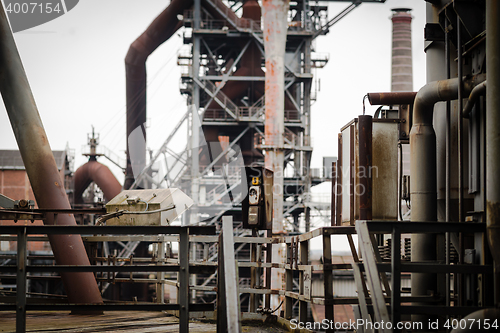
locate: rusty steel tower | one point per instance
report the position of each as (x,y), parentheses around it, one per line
(249,103)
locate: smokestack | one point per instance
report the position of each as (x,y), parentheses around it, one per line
(402,77)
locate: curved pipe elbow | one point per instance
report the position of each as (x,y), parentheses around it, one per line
(440,91)
(478,91)
(98,173)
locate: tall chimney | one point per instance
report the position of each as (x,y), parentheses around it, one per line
(402,77)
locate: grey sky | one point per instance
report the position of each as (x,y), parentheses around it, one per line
(75,65)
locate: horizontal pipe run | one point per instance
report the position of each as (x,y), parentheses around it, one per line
(391,98)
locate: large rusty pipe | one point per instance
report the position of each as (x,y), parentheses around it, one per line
(161,29)
(391,98)
(98,173)
(424,173)
(493,135)
(41,167)
(274,15)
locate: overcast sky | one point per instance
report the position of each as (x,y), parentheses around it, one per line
(75,65)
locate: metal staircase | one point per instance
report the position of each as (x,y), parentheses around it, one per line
(380,298)
(217,95)
(240,24)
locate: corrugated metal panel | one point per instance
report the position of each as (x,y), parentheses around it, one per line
(12,160)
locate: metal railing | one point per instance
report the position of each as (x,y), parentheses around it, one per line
(183,266)
(387,303)
(379,293)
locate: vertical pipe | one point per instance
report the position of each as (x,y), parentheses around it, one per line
(447,165)
(274,13)
(493,134)
(461,278)
(332,203)
(161,29)
(41,167)
(365,163)
(195,121)
(275,28)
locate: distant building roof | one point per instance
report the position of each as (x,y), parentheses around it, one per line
(11,159)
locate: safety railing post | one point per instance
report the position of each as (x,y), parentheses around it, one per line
(304,260)
(289,279)
(396,277)
(22,257)
(184,280)
(328,276)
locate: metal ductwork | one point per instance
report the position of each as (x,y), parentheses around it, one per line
(162,28)
(98,173)
(159,31)
(424,173)
(41,168)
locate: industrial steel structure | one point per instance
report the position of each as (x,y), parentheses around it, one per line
(240,115)
(224,82)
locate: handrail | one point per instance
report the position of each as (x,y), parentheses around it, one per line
(22,268)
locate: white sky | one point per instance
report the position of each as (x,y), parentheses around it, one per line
(75,65)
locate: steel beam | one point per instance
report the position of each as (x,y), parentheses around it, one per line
(41,167)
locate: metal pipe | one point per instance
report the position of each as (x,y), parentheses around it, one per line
(161,29)
(460,144)
(478,91)
(493,135)
(98,173)
(46,182)
(391,98)
(274,15)
(447,165)
(365,164)
(423,170)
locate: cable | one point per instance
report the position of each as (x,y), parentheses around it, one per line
(147,204)
(273,311)
(150,211)
(364,98)
(104,218)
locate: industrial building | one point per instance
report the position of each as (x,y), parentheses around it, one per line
(217,234)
